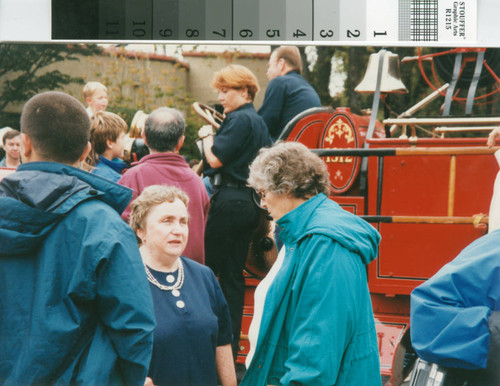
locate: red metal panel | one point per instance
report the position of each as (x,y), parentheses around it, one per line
(411,186)
(244,343)
(474,184)
(411,253)
(420,186)
(353,204)
(309,129)
(390,330)
(250,284)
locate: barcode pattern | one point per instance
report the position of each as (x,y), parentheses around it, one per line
(418,20)
(404,16)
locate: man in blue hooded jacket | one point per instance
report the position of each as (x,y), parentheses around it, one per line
(75,306)
(455,315)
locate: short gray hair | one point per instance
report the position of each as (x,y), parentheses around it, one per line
(164,128)
(289,168)
(151,196)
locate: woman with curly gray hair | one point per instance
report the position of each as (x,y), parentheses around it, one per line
(313,321)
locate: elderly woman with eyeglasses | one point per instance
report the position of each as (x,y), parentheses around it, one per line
(192,339)
(313,322)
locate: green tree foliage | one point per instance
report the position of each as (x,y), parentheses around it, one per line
(319,77)
(24,73)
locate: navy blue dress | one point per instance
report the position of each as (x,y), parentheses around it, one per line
(185,339)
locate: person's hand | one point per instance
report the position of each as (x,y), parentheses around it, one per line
(149,382)
(492,138)
(205,131)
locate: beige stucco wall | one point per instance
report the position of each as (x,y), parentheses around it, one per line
(150,81)
(204,65)
(133,79)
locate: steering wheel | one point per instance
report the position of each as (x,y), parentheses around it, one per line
(208,114)
(441,66)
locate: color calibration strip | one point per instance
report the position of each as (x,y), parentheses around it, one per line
(268,20)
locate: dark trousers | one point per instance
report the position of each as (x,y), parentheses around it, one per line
(232,218)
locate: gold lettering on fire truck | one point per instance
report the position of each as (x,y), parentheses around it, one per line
(340,129)
(340,159)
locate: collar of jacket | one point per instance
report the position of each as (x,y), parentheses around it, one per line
(169,157)
(293,73)
(56,188)
(320,215)
(243,107)
(116,164)
(294,224)
(39,194)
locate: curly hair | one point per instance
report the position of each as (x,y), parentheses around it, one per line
(289,168)
(151,196)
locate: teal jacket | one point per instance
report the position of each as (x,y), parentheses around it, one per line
(75,304)
(318,327)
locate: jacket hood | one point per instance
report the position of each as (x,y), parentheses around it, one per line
(320,215)
(39,194)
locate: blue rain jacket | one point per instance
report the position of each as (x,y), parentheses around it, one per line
(451,311)
(317,326)
(75,305)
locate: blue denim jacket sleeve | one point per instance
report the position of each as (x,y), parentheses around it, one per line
(450,312)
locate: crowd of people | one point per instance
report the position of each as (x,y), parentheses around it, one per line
(123,270)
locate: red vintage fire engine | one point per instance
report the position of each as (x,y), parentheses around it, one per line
(428,197)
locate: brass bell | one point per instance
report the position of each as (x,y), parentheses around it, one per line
(391,76)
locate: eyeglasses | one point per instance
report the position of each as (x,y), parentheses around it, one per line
(258,195)
(262,193)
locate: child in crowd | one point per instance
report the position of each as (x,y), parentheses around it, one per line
(11,141)
(107,136)
(135,147)
(138,124)
(96,97)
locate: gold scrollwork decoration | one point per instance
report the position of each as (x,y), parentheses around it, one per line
(339,128)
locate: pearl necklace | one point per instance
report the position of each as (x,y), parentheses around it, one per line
(176,286)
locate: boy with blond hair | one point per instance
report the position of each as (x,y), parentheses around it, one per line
(107,136)
(96,97)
